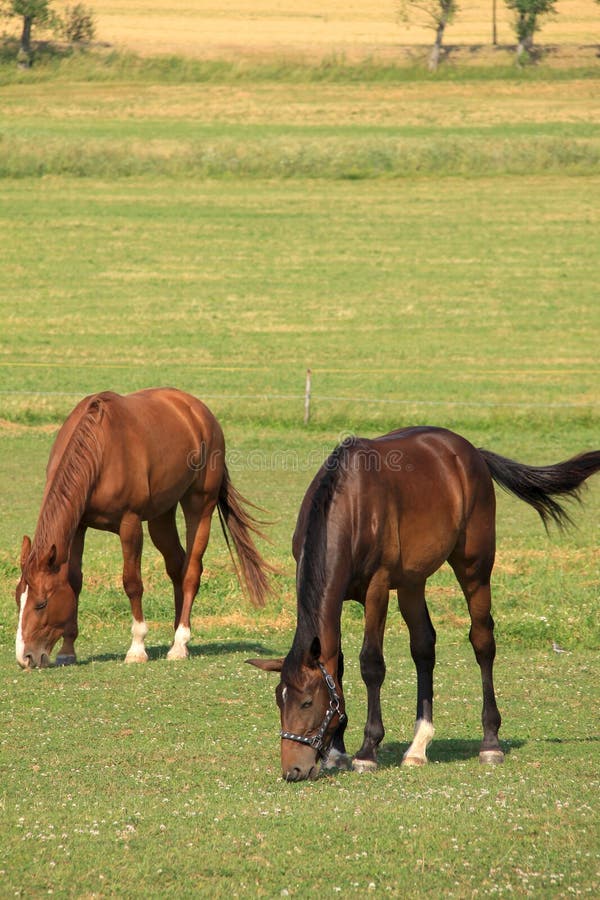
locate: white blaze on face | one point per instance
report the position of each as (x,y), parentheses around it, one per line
(19,643)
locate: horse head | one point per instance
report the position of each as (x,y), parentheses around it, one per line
(46,603)
(311,705)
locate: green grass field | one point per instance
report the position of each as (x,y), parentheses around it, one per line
(429,250)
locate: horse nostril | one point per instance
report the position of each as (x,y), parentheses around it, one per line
(293,774)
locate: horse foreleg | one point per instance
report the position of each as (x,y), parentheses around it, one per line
(413,607)
(372,669)
(337,758)
(132,540)
(66,655)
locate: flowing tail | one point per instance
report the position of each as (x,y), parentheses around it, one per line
(536,485)
(238,524)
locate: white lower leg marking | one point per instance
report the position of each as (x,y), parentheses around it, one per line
(337,760)
(137,651)
(20,643)
(179,649)
(423,734)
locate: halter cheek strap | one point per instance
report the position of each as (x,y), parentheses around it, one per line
(317,740)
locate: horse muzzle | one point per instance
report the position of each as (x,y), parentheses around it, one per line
(295,773)
(30,659)
(299,763)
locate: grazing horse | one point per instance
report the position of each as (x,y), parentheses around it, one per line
(116,462)
(383,514)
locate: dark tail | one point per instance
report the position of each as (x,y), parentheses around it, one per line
(536,485)
(239,524)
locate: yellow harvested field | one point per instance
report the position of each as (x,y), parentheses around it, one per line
(414,103)
(316,28)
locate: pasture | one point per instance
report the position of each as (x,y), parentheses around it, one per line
(429,249)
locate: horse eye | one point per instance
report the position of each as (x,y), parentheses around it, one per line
(306,704)
(41,605)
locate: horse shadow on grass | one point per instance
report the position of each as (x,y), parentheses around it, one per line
(441,751)
(390,755)
(212,648)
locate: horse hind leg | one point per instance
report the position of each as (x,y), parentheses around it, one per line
(198,517)
(132,539)
(164,535)
(475,582)
(413,607)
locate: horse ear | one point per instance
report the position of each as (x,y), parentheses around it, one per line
(315,650)
(25,551)
(267,665)
(51,557)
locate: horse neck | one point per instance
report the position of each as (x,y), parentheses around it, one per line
(68,488)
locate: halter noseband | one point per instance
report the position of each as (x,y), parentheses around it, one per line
(317,741)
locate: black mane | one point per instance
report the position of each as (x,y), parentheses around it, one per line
(311,576)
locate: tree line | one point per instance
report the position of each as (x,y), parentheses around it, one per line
(77,25)
(439,14)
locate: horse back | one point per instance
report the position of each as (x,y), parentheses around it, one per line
(433,493)
(153,446)
(405,501)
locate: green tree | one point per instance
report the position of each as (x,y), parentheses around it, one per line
(527,15)
(436,14)
(78,25)
(32,12)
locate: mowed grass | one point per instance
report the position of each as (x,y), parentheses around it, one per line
(121,781)
(464,303)
(469,302)
(134,118)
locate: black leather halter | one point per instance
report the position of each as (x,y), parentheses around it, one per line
(317,740)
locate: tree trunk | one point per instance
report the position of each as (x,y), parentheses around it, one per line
(525,32)
(24,57)
(436,50)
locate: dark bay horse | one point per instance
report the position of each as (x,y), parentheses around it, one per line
(118,461)
(383,514)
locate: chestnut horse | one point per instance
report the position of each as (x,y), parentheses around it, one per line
(383,514)
(118,461)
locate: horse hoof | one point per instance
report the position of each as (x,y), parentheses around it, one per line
(178,653)
(337,760)
(414,761)
(364,765)
(136,658)
(491,757)
(65,659)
